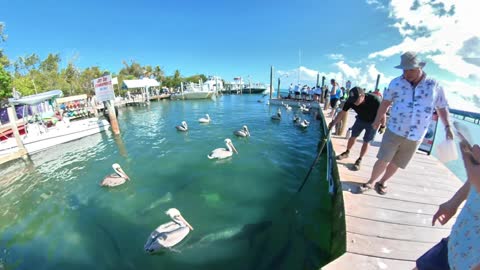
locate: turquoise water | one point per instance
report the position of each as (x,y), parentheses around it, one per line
(457,166)
(244,210)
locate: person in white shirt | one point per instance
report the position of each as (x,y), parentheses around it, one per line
(413,97)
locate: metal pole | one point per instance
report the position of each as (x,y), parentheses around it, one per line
(376,84)
(271,81)
(278,89)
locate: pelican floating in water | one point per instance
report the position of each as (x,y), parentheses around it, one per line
(205,120)
(277,116)
(304,124)
(169,234)
(296,119)
(242,132)
(116,179)
(182,127)
(221,153)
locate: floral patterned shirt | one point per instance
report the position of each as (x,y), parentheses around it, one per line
(464,241)
(412,107)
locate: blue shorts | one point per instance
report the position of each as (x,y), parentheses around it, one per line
(436,258)
(361,125)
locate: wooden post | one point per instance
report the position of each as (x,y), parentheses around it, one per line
(113,117)
(271,81)
(318,80)
(278,89)
(12,116)
(376,84)
(322,96)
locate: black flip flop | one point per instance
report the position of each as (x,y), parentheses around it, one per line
(380,188)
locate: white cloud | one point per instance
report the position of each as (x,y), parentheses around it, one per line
(336,56)
(439,30)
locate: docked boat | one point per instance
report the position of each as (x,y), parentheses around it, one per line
(196,90)
(45,128)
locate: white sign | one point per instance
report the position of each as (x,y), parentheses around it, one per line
(104,88)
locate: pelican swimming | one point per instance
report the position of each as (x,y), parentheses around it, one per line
(182,127)
(169,234)
(242,132)
(116,179)
(277,116)
(296,119)
(221,153)
(304,124)
(205,120)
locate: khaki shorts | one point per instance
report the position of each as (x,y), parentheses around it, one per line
(397,149)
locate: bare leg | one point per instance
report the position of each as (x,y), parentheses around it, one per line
(389,172)
(377,170)
(351,142)
(364,149)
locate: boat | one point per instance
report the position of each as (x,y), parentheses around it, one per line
(45,128)
(193,91)
(238,85)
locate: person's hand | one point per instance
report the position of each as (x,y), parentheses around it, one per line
(444,213)
(449,133)
(376,124)
(381,130)
(330,126)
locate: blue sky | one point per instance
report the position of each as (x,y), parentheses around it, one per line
(341,39)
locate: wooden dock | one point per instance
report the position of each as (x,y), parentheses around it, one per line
(391,231)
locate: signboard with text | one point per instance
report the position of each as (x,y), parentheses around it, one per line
(104,88)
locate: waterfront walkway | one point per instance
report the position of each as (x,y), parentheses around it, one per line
(391,231)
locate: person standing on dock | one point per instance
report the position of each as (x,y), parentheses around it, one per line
(413,97)
(366,107)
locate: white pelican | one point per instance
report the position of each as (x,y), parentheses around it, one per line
(182,127)
(169,234)
(242,132)
(205,120)
(304,124)
(277,116)
(221,153)
(116,179)
(288,107)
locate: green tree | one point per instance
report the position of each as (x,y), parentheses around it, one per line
(134,69)
(24,65)
(5,83)
(24,85)
(4,62)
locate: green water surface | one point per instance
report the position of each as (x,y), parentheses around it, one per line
(244,210)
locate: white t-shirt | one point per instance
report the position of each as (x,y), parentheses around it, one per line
(412,108)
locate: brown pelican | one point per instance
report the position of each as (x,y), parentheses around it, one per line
(296,119)
(169,234)
(182,127)
(116,179)
(277,116)
(221,153)
(304,124)
(242,132)
(205,120)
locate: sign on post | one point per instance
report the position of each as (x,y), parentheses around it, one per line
(104,88)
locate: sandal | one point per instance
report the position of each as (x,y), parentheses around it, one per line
(380,188)
(365,187)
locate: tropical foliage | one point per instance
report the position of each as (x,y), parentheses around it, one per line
(30,74)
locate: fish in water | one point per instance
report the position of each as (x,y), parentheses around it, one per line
(164,199)
(248,232)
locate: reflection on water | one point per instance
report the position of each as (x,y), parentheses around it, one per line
(54,214)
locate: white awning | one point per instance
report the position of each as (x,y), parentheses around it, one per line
(35,99)
(145,82)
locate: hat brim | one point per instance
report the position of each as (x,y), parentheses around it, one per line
(420,65)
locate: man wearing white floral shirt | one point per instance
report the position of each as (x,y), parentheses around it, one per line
(413,97)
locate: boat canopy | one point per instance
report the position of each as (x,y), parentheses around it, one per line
(145,82)
(35,99)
